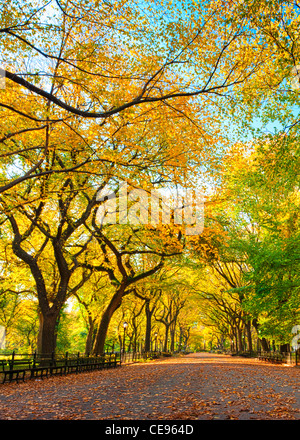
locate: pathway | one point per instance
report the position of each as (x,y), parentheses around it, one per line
(198,386)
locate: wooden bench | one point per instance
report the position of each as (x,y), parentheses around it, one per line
(112,361)
(39,372)
(78,364)
(59,367)
(91,363)
(276,358)
(16,369)
(3,364)
(46,367)
(72,365)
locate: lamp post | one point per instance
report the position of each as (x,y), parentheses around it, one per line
(125,324)
(155,341)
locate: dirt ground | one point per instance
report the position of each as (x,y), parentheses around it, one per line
(198,386)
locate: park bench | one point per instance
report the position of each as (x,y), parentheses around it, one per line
(91,363)
(88,363)
(262,357)
(58,367)
(46,366)
(3,364)
(113,361)
(110,360)
(276,358)
(13,369)
(38,371)
(79,364)
(72,365)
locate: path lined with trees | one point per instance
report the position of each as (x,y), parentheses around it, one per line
(104,104)
(198,386)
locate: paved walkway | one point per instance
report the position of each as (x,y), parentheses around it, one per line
(200,386)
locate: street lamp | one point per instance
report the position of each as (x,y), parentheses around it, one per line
(125,324)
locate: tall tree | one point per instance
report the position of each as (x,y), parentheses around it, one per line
(112,66)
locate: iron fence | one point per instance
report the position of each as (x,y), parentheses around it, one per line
(20,366)
(135,356)
(289,358)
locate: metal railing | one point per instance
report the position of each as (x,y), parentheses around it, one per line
(135,356)
(275,356)
(18,366)
(290,358)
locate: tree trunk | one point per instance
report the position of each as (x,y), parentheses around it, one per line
(39,337)
(135,343)
(264,344)
(120,342)
(262,341)
(249,336)
(172,344)
(166,338)
(239,337)
(172,335)
(180,338)
(285,348)
(105,320)
(89,338)
(148,326)
(173,331)
(47,337)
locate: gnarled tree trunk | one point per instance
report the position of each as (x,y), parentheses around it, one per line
(114,304)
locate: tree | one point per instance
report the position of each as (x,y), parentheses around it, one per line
(98,93)
(132,313)
(167,313)
(150,291)
(270,202)
(125,268)
(166,63)
(150,298)
(39,238)
(92,297)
